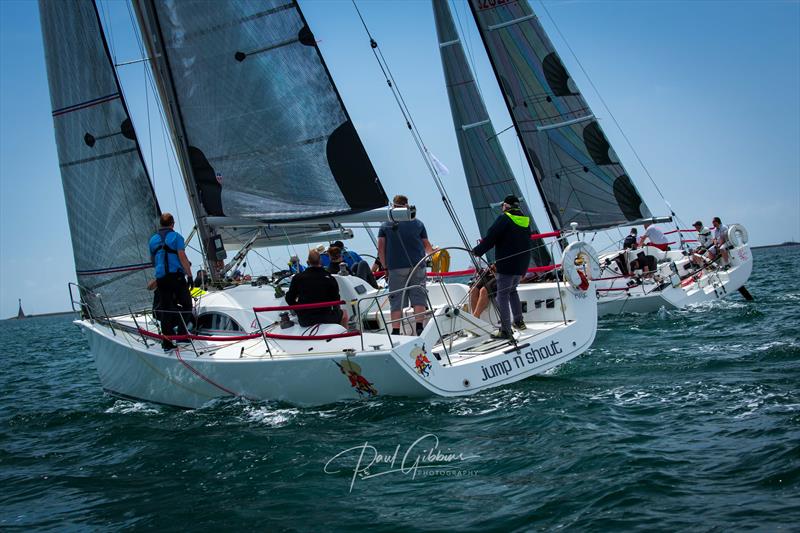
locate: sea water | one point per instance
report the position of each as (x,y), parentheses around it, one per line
(674,420)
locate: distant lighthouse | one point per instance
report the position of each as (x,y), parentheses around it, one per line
(20,313)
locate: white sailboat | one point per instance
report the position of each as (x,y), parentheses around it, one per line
(253,109)
(579,177)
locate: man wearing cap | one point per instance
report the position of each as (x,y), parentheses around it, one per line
(704,242)
(510,236)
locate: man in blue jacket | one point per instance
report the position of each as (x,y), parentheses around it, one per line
(510,236)
(167,250)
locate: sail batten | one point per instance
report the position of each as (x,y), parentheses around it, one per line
(111,206)
(564,143)
(489,176)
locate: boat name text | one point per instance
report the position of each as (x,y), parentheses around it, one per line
(531,356)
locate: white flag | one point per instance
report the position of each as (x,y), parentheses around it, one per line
(439,166)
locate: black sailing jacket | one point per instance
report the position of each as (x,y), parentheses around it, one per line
(510,236)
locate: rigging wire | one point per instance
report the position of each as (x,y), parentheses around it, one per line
(608,110)
(412,127)
(107,24)
(150,133)
(150,83)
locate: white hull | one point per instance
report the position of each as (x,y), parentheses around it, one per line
(312,372)
(674,293)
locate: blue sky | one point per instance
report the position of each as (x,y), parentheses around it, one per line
(707,92)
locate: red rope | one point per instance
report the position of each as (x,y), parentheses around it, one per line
(201,376)
(679,230)
(298,306)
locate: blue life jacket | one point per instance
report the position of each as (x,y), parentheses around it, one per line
(166,249)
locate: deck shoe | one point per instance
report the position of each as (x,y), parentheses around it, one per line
(167,345)
(502,334)
(519,326)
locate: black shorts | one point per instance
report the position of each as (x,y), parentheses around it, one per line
(489,281)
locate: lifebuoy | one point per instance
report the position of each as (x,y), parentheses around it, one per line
(737,235)
(579,260)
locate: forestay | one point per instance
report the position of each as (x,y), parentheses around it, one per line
(111,206)
(265,132)
(578,173)
(489,176)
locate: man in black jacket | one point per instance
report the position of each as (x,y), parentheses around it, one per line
(315,285)
(510,236)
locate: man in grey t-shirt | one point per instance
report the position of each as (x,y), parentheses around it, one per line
(401,245)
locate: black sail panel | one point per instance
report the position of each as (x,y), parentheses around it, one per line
(576,169)
(489,176)
(267,134)
(111,206)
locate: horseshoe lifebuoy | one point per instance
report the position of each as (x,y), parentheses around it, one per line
(737,235)
(580,265)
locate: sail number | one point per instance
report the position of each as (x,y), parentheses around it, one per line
(489,4)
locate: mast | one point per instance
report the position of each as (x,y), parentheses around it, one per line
(510,106)
(153,39)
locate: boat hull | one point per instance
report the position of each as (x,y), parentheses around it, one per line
(301,373)
(707,287)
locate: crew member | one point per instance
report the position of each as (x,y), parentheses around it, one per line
(315,285)
(720,246)
(350,257)
(656,237)
(484,289)
(334,266)
(401,245)
(510,236)
(294,265)
(704,243)
(630,241)
(167,250)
